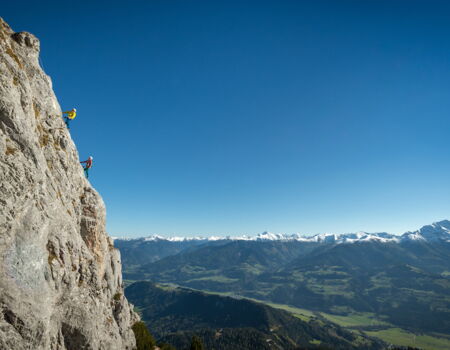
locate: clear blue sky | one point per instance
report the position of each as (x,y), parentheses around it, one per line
(227,117)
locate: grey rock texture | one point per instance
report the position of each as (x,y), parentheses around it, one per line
(60,275)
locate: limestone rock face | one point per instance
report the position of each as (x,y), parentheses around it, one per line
(60,275)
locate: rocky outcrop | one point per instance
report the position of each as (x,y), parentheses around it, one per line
(60,275)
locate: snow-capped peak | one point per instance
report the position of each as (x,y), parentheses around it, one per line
(438,231)
(269,236)
(353,237)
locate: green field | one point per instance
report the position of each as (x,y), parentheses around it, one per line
(219,279)
(301,313)
(399,336)
(391,335)
(362,319)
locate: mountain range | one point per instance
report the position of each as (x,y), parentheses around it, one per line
(139,251)
(436,231)
(403,280)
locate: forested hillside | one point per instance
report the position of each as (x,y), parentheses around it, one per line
(176,314)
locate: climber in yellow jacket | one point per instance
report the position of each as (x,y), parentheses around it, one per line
(69,116)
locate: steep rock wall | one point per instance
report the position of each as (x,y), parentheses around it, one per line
(60,275)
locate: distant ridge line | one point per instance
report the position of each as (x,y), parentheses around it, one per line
(438,231)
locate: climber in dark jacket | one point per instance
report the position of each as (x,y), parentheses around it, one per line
(87,166)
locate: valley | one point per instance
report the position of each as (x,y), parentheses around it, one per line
(396,289)
(175,314)
(362,323)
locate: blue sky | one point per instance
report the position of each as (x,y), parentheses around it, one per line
(228,117)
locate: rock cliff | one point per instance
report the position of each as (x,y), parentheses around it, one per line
(60,275)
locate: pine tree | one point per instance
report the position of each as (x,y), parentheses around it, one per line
(196,343)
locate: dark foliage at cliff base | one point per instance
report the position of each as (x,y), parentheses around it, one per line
(196,343)
(144,340)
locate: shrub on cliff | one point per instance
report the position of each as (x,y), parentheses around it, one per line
(144,340)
